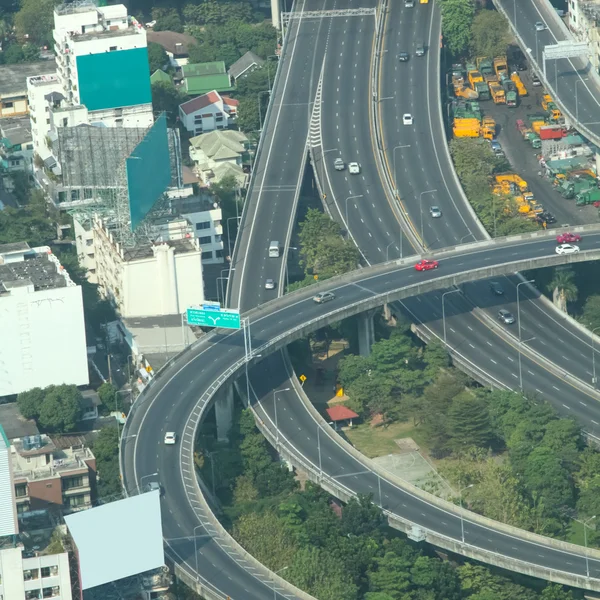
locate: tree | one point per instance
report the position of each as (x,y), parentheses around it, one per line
(591,311)
(28,223)
(35,21)
(169,21)
(107,393)
(316,227)
(436,576)
(157,57)
(166,97)
(14,54)
(391,575)
(247,118)
(469,422)
(553,591)
(457,18)
(362,517)
(30,402)
(61,409)
(490,35)
(563,287)
(106,451)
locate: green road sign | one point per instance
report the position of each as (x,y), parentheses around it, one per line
(229,319)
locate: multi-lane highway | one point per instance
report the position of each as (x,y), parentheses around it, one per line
(174,401)
(577,90)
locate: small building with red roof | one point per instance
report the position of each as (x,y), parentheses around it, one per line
(208,112)
(341,414)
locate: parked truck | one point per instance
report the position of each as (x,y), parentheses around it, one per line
(521,89)
(500,66)
(488,128)
(466,127)
(510,90)
(497,92)
(529,135)
(550,107)
(588,197)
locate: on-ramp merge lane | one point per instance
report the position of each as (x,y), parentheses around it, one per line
(176,398)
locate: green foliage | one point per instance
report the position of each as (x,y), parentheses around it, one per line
(323,251)
(591,311)
(212,12)
(157,57)
(563,287)
(56,408)
(107,393)
(475,164)
(247,118)
(106,451)
(30,223)
(469,422)
(168,20)
(166,97)
(35,21)
(457,18)
(490,35)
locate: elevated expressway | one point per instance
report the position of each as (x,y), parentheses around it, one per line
(185,389)
(572,82)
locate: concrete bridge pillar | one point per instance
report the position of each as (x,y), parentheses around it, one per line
(366,333)
(224,412)
(276,14)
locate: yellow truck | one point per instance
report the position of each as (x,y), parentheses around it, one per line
(500,66)
(550,107)
(521,89)
(512,178)
(497,92)
(466,128)
(488,128)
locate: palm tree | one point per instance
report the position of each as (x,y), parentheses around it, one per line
(563,287)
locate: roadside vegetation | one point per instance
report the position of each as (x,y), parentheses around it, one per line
(330,550)
(515,458)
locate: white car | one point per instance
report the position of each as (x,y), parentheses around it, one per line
(567,249)
(338,164)
(354,168)
(435,212)
(170,438)
(270,284)
(539,26)
(407,119)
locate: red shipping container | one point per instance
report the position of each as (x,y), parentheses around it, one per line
(552,132)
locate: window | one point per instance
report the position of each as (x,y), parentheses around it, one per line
(33,594)
(70,483)
(21,490)
(74,501)
(112,49)
(198,119)
(29,574)
(217,223)
(51,571)
(219,253)
(218,238)
(206,239)
(219,119)
(7,105)
(207,255)
(51,592)
(198,131)
(203,225)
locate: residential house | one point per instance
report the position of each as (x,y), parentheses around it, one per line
(218,154)
(207,112)
(160,75)
(204,77)
(13,86)
(245,65)
(176,45)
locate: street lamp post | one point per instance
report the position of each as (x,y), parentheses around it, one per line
(275,392)
(519,328)
(350,198)
(319,449)
(196,550)
(268,68)
(144,476)
(594,357)
(444,313)
(395,171)
(462,521)
(277,573)
(421,208)
(587,559)
(387,251)
(228,234)
(259,111)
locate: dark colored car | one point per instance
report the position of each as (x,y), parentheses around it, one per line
(496,288)
(403,56)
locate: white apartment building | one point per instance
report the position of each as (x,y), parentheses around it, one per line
(41,320)
(102,63)
(9,524)
(38,87)
(163,277)
(584,21)
(208,112)
(32,578)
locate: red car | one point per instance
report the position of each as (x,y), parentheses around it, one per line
(568,238)
(426,265)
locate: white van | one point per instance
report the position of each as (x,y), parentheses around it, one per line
(274,250)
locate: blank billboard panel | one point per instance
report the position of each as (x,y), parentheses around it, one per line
(148,171)
(119,539)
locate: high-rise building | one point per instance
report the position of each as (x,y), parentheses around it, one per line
(102,60)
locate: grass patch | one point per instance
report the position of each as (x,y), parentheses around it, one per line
(379,441)
(575,533)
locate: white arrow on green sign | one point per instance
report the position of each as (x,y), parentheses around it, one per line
(226,318)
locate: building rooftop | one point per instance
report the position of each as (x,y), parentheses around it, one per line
(241,65)
(48,79)
(14,423)
(200,102)
(160,75)
(13,78)
(220,144)
(341,413)
(202,69)
(36,268)
(16,130)
(176,43)
(205,83)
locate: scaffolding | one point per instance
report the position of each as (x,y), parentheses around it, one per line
(94,163)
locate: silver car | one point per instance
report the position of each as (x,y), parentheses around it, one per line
(338,164)
(270,284)
(506,317)
(322,297)
(435,212)
(539,26)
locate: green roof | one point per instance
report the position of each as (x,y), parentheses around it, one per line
(200,69)
(207,83)
(160,75)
